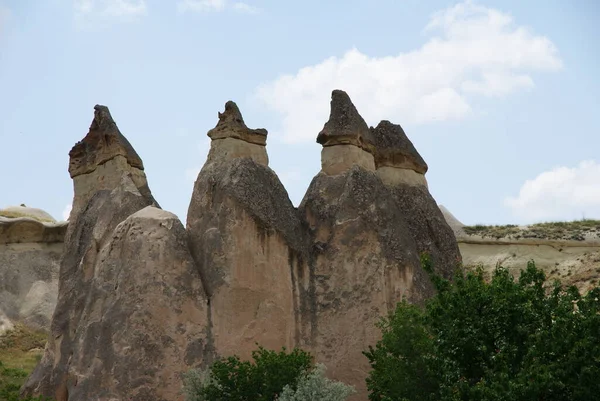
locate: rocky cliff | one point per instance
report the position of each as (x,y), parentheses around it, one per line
(142,299)
(31,244)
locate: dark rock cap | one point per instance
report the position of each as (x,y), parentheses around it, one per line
(394,149)
(345,125)
(103,142)
(231,125)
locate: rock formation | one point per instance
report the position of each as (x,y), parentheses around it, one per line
(364,247)
(131,312)
(402,169)
(141,299)
(247,240)
(31,244)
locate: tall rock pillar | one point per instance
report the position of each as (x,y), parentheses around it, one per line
(247,240)
(363,258)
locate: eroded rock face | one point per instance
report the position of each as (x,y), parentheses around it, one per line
(246,238)
(346,138)
(365,244)
(31,244)
(402,169)
(130,304)
(100,160)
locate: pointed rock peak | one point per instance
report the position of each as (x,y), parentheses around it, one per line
(102,143)
(345,125)
(394,149)
(231,125)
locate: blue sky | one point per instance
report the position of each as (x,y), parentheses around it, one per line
(501,98)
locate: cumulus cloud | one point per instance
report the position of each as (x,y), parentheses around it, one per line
(215,6)
(472,51)
(114,9)
(563,193)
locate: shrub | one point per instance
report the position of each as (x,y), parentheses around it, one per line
(261,379)
(314,386)
(503,340)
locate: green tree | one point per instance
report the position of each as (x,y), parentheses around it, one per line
(505,339)
(261,379)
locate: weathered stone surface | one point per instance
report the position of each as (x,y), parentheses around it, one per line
(30,252)
(368,229)
(364,260)
(394,149)
(232,148)
(395,176)
(428,227)
(24,230)
(340,158)
(5,323)
(143,321)
(103,142)
(345,126)
(247,240)
(103,199)
(231,125)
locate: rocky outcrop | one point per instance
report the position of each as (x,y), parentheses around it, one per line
(141,299)
(345,138)
(5,323)
(101,159)
(131,313)
(247,240)
(402,169)
(365,247)
(31,244)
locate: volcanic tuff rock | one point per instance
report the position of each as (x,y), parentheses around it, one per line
(402,169)
(142,300)
(31,244)
(247,239)
(346,138)
(366,247)
(100,159)
(130,306)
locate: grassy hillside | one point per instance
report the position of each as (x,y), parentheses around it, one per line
(578,230)
(20,351)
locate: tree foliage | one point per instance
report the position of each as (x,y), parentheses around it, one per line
(505,339)
(261,379)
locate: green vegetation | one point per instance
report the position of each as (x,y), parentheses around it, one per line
(269,376)
(562,230)
(20,351)
(505,339)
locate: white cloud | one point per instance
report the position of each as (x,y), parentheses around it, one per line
(472,51)
(215,5)
(67,212)
(113,9)
(563,193)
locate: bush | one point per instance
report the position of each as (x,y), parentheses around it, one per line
(262,379)
(502,340)
(314,386)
